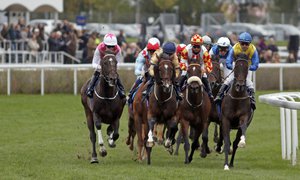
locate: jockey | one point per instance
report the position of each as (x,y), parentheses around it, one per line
(179,49)
(168,49)
(109,43)
(221,51)
(142,63)
(207,42)
(243,46)
(195,51)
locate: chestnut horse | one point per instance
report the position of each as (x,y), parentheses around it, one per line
(193,112)
(236,110)
(162,104)
(105,107)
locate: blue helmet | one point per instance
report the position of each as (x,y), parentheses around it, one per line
(169,48)
(245,37)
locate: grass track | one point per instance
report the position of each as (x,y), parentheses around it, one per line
(45,137)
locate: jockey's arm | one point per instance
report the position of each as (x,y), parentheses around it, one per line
(207,62)
(154,60)
(96,59)
(229,59)
(139,64)
(254,61)
(176,64)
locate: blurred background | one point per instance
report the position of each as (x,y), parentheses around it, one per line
(63,27)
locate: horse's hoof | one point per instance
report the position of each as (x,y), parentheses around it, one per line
(103,153)
(203,155)
(150,144)
(94,160)
(242,144)
(176,153)
(170,150)
(112,145)
(226,168)
(127,141)
(186,162)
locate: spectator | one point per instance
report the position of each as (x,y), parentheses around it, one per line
(293,48)
(261,49)
(121,38)
(91,46)
(33,46)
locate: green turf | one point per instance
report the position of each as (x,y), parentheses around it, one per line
(45,137)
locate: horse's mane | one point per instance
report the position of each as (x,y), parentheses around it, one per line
(242,56)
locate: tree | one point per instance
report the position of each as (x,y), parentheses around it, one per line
(164,4)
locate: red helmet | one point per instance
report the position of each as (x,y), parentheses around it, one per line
(180,48)
(196,40)
(153,44)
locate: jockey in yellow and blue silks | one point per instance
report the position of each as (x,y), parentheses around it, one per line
(243,46)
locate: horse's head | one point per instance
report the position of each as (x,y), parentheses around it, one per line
(194,75)
(215,76)
(164,73)
(109,69)
(241,72)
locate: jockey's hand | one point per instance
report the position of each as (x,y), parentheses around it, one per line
(182,66)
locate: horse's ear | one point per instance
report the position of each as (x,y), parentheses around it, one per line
(242,56)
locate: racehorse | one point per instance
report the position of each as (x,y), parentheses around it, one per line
(236,110)
(215,79)
(162,103)
(193,112)
(106,106)
(137,122)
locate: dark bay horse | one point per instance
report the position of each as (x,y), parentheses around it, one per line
(236,110)
(215,79)
(193,112)
(162,104)
(105,106)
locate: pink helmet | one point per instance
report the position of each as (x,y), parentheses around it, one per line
(110,39)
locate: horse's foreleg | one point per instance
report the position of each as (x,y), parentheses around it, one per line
(184,131)
(235,145)
(102,150)
(113,132)
(218,148)
(216,134)
(195,144)
(91,128)
(243,127)
(226,136)
(204,146)
(172,129)
(150,140)
(178,141)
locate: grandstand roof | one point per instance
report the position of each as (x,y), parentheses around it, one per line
(32,5)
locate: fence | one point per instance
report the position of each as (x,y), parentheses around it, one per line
(127,66)
(288,121)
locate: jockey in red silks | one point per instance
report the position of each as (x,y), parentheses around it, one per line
(142,64)
(109,43)
(196,51)
(179,49)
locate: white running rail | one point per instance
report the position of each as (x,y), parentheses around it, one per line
(288,121)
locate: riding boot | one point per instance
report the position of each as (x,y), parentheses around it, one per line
(133,89)
(90,89)
(148,89)
(179,95)
(181,81)
(252,98)
(121,89)
(220,94)
(208,88)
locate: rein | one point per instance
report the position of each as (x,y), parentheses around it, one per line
(155,95)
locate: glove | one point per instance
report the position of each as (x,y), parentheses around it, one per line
(229,66)
(182,66)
